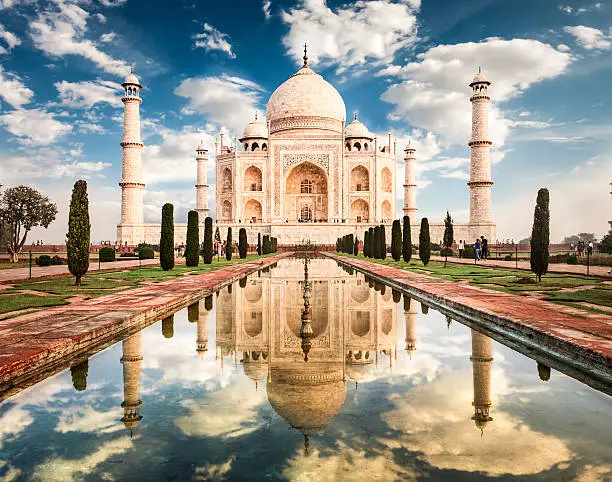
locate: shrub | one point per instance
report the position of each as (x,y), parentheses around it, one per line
(468,252)
(146,253)
(243,245)
(192,245)
(508,257)
(166,242)
(447,252)
(424,242)
(396,240)
(207,255)
(106,254)
(57,261)
(435,247)
(77,239)
(572,259)
(229,245)
(406,240)
(43,260)
(540,235)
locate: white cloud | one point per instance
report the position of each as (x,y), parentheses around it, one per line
(435,92)
(213,39)
(101,18)
(362,33)
(12,90)
(62,32)
(34,126)
(86,94)
(112,3)
(563,48)
(267,5)
(225,100)
(590,38)
(108,37)
(10,39)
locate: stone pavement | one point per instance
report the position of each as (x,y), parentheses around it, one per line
(565,334)
(16,274)
(552,267)
(42,341)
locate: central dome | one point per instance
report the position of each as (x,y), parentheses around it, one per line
(306,101)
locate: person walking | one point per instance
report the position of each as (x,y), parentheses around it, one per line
(485,247)
(580,248)
(461,248)
(477,248)
(590,248)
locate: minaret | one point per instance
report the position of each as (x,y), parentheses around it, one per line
(481,370)
(202,340)
(131,361)
(201,183)
(480,158)
(132,187)
(410,317)
(410,208)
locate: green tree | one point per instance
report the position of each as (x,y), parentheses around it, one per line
(243,245)
(193,312)
(229,245)
(406,240)
(192,245)
(396,240)
(22,209)
(166,242)
(540,235)
(383,242)
(584,237)
(208,240)
(259,244)
(605,245)
(78,237)
(424,242)
(168,326)
(266,244)
(447,239)
(356,246)
(376,250)
(217,241)
(371,243)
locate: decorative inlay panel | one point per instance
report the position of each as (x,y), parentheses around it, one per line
(321,160)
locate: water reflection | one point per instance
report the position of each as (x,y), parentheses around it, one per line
(131,361)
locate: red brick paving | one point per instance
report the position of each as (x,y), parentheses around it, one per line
(581,337)
(37,341)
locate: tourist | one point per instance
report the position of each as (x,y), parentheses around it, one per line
(485,247)
(477,247)
(590,249)
(580,248)
(461,248)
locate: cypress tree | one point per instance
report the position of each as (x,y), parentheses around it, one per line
(406,303)
(376,252)
(193,312)
(168,326)
(79,374)
(383,242)
(243,245)
(208,240)
(229,245)
(192,244)
(166,243)
(424,242)
(371,243)
(407,240)
(540,234)
(447,239)
(217,244)
(266,244)
(208,303)
(259,244)
(356,246)
(77,239)
(396,240)
(365,242)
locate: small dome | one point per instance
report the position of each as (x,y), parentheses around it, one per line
(255,371)
(131,79)
(362,372)
(255,129)
(409,147)
(357,129)
(307,94)
(201,146)
(480,78)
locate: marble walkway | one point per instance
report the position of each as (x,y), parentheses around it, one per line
(40,341)
(578,337)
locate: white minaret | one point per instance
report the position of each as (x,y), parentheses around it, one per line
(480,158)
(132,187)
(410,208)
(131,361)
(201,183)
(202,338)
(410,316)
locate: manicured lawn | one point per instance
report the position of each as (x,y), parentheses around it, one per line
(10,303)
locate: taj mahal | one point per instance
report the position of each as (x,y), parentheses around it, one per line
(304,173)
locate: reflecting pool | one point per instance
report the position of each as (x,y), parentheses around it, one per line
(390,390)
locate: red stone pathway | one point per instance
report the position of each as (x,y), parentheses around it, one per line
(16,274)
(40,341)
(576,336)
(524,265)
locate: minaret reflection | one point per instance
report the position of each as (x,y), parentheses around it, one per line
(481,370)
(204,306)
(410,316)
(306,328)
(131,361)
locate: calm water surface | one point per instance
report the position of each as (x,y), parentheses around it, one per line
(390,391)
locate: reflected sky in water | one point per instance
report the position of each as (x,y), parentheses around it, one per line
(391,390)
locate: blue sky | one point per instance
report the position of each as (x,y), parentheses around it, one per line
(403,65)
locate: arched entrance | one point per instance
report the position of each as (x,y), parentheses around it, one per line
(252,179)
(360,179)
(386,210)
(252,211)
(386,180)
(226,211)
(306,195)
(360,211)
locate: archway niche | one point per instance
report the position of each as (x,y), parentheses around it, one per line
(360,211)
(386,210)
(252,179)
(252,211)
(360,179)
(226,180)
(306,186)
(386,180)
(226,211)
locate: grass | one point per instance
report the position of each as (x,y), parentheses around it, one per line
(101,283)
(518,282)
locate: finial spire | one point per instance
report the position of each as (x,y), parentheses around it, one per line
(355,115)
(131,69)
(305,55)
(479,69)
(255,115)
